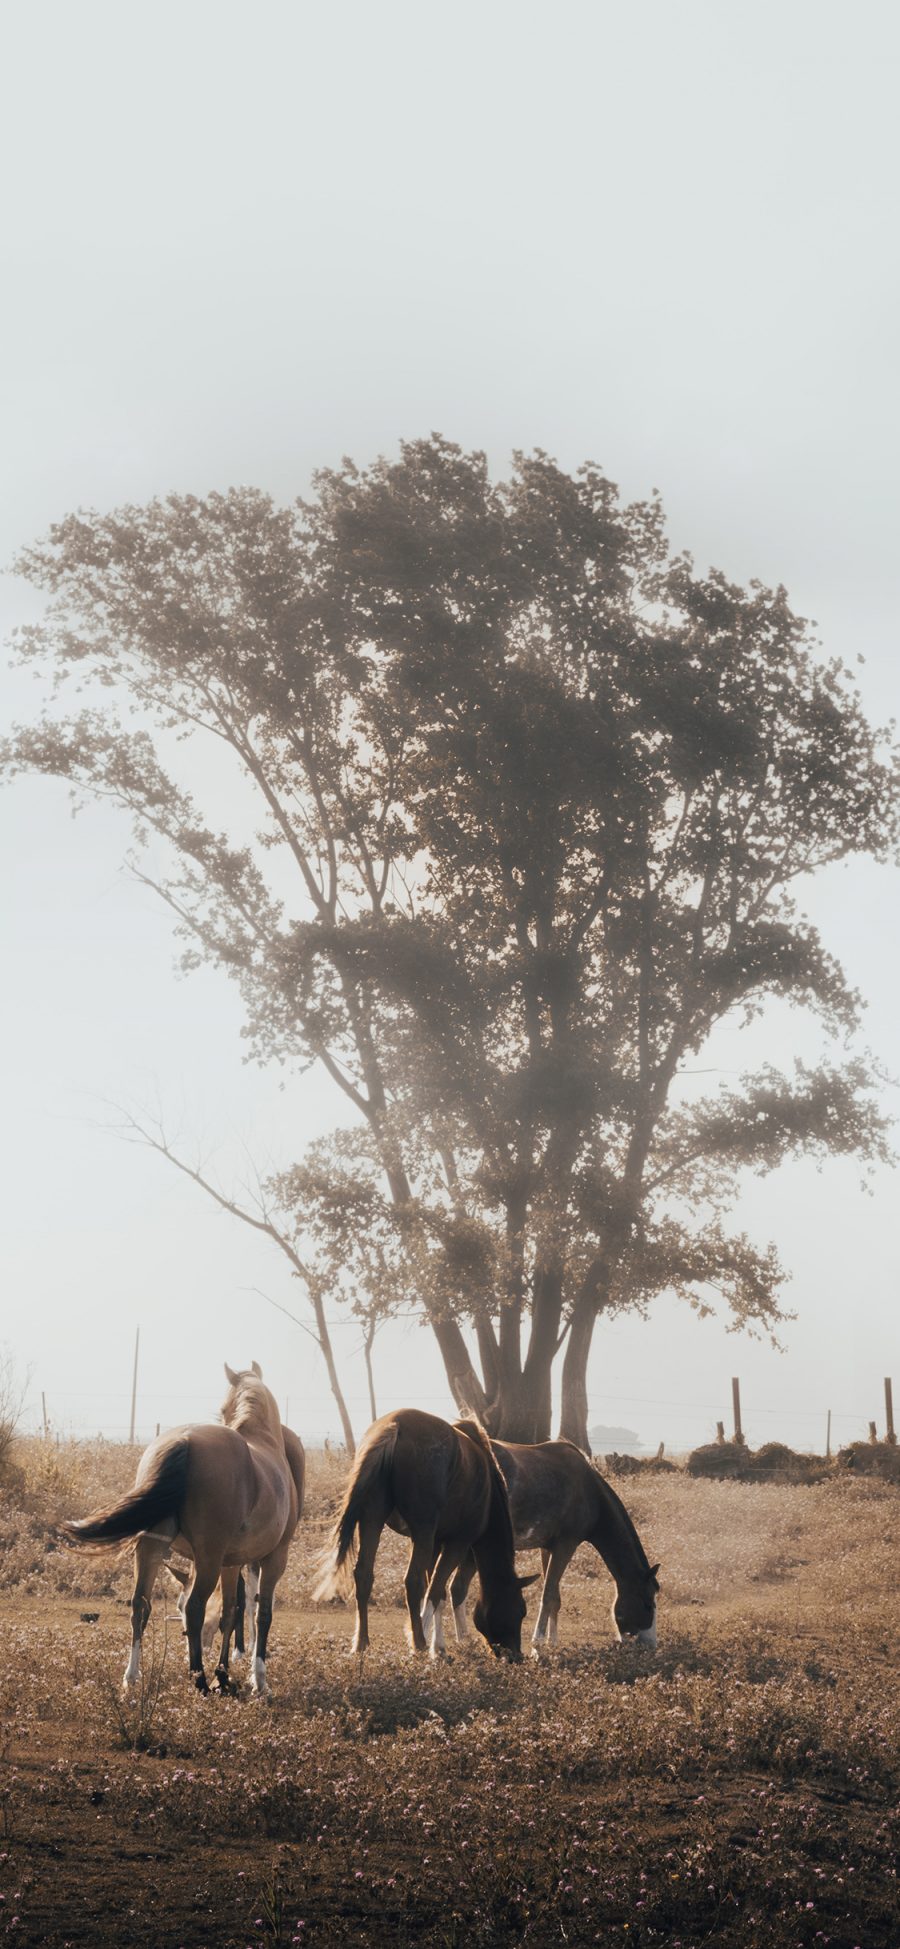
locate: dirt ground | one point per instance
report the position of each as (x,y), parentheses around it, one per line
(738,1787)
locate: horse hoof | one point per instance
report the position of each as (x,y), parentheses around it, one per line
(199,1679)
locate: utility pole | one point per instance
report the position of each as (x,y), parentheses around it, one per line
(889,1410)
(828,1438)
(736,1404)
(137,1342)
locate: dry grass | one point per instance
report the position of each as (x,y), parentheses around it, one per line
(737,1789)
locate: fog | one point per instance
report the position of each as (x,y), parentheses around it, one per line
(241,243)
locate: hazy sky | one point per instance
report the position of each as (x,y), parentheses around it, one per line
(239,242)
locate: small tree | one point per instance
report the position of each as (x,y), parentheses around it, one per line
(546,794)
(12,1400)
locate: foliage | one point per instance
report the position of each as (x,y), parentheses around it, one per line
(537,798)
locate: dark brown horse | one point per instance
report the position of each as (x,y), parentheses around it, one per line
(223,1495)
(440,1485)
(558,1500)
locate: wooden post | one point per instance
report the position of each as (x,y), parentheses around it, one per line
(137,1342)
(720,1432)
(873,1432)
(828,1438)
(889,1410)
(44,1412)
(736,1405)
(157,1431)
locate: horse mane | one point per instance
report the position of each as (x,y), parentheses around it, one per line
(248,1403)
(499,1492)
(607,1490)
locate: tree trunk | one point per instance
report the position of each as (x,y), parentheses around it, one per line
(521,1410)
(324,1338)
(573,1418)
(465,1385)
(517,1406)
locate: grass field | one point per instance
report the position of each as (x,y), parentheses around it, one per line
(737,1788)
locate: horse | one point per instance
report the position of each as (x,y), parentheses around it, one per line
(247,1588)
(558,1500)
(439,1484)
(221,1494)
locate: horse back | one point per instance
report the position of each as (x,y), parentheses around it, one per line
(440,1478)
(553,1491)
(238,1495)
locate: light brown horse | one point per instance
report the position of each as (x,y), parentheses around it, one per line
(440,1485)
(247,1591)
(223,1495)
(558,1500)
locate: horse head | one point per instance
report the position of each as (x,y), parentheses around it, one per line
(634,1607)
(500,1616)
(248,1399)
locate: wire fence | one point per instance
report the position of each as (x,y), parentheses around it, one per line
(90,1412)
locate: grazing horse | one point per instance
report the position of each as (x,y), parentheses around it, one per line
(223,1495)
(558,1500)
(440,1485)
(247,1590)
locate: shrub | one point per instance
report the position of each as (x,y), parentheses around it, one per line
(872,1458)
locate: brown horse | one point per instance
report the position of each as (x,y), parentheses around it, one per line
(247,1590)
(221,1495)
(558,1500)
(440,1485)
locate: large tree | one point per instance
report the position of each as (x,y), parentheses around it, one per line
(535,798)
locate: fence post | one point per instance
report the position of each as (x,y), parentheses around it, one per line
(828,1438)
(44,1412)
(873,1432)
(736,1405)
(720,1432)
(889,1410)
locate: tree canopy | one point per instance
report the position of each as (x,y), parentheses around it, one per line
(534,800)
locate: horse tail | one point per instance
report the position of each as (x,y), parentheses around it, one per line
(368,1477)
(500,1520)
(161,1495)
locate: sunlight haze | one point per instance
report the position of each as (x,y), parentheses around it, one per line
(241,243)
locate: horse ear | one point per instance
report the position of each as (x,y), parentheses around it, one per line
(524,1582)
(256,1369)
(654,1569)
(231,1376)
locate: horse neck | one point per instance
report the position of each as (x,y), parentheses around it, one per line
(255,1415)
(616,1538)
(494,1551)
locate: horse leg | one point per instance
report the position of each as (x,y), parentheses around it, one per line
(370,1529)
(251,1587)
(206,1576)
(421,1558)
(433,1607)
(270,1570)
(150,1553)
(459,1591)
(226,1625)
(240,1605)
(557,1560)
